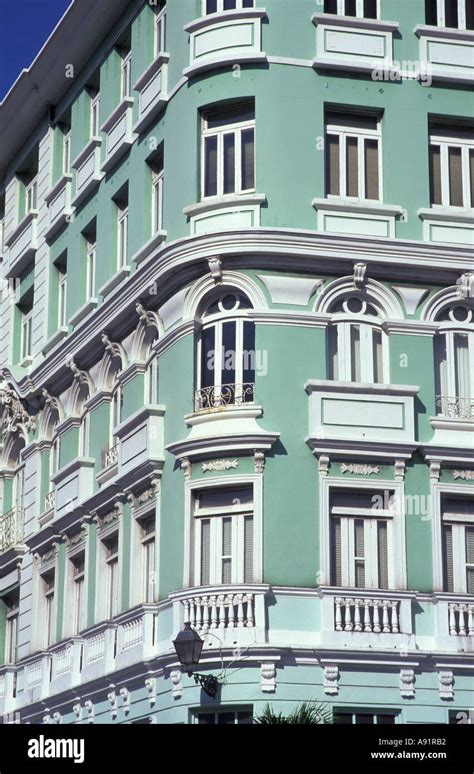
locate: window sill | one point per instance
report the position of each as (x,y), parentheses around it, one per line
(149,247)
(341,216)
(53,340)
(26,220)
(333,20)
(114,281)
(221,202)
(122,143)
(83,311)
(26,362)
(448,214)
(448,225)
(57,187)
(210,19)
(152,88)
(448,33)
(367,208)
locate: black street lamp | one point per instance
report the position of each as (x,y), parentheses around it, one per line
(188,646)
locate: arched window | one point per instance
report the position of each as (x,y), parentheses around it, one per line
(454,357)
(356,341)
(226,352)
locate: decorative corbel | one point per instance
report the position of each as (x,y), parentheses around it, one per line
(77,709)
(186,467)
(399,470)
(465,285)
(82,377)
(331,680)
(57,718)
(259,459)
(324,464)
(407,683)
(268,677)
(125,694)
(53,402)
(177,682)
(215,267)
(360,270)
(150,685)
(435,471)
(148,317)
(112,699)
(446,684)
(89,705)
(114,348)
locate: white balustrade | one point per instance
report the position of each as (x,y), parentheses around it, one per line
(130,634)
(34,673)
(372,616)
(220,611)
(461,619)
(94,648)
(62,662)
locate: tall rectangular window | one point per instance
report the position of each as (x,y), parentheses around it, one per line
(218,6)
(31,194)
(353,156)
(361,539)
(148,560)
(243,716)
(62,297)
(122,229)
(228,150)
(223,536)
(342,717)
(112,587)
(12,609)
(451,156)
(457,515)
(126,74)
(94,117)
(26,334)
(90,270)
(362,9)
(157,188)
(48,621)
(160,29)
(79,596)
(67,151)
(454,14)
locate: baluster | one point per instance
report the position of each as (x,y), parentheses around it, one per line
(357,623)
(338,603)
(385,623)
(205,613)
(470,620)
(395,626)
(375,607)
(213,613)
(186,611)
(199,612)
(347,616)
(231,614)
(240,610)
(250,621)
(220,601)
(367,621)
(452,620)
(462,620)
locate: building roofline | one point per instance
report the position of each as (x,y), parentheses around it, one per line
(44,82)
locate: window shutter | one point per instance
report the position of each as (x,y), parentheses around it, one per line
(332,165)
(248,550)
(336,558)
(470,560)
(441,365)
(382,551)
(359,548)
(448,558)
(371,169)
(205,552)
(470,17)
(226,550)
(248,159)
(352,167)
(435,174)
(455,177)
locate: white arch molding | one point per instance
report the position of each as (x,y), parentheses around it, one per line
(385,301)
(230,280)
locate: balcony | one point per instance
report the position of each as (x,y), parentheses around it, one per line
(58,200)
(454,615)
(88,173)
(11,529)
(152,88)
(449,53)
(461,619)
(375,414)
(455,408)
(8,679)
(22,243)
(73,484)
(47,514)
(219,397)
(119,134)
(454,421)
(349,43)
(140,443)
(110,457)
(230,38)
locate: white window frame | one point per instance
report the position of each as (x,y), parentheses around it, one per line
(192,570)
(458,524)
(62,298)
(220,7)
(112,576)
(90,270)
(126,75)
(78,592)
(374,713)
(345,133)
(343,323)
(12,618)
(461,14)
(148,574)
(67,152)
(122,236)
(159,32)
(396,545)
(54,454)
(49,597)
(152,375)
(223,711)
(157,183)
(115,411)
(84,434)
(94,117)
(445,144)
(449,381)
(31,195)
(26,337)
(235,129)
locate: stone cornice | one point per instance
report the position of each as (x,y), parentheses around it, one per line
(307,251)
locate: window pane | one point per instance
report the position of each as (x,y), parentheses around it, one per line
(352,183)
(205,552)
(451,13)
(330,6)
(378,356)
(470,15)
(248,549)
(343,718)
(448,558)
(455,177)
(355,354)
(248,368)
(382,550)
(229,5)
(221,498)
(228,353)
(207,718)
(332,165)
(461,365)
(247,3)
(226,718)
(385,720)
(435,174)
(362,719)
(235,114)
(370,9)
(229,163)
(210,166)
(470,560)
(211,6)
(471,170)
(359,549)
(350,8)
(244,718)
(248,159)
(431,13)
(371,169)
(208,355)
(336,565)
(227,551)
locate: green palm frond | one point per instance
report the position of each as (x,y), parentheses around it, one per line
(307,713)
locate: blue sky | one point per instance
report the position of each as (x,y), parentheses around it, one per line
(24,27)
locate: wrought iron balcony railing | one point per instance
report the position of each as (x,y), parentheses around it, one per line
(223,395)
(11,529)
(454,407)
